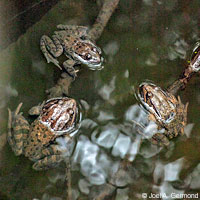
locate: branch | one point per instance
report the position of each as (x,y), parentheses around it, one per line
(105,13)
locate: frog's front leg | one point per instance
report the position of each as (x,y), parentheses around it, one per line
(18,129)
(69,67)
(50,157)
(51,48)
(160,139)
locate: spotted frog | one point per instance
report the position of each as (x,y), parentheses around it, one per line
(165,110)
(58,117)
(75,43)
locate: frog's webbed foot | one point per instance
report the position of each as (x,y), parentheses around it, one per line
(18,129)
(69,67)
(51,48)
(160,140)
(79,31)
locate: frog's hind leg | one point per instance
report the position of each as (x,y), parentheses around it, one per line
(79,31)
(160,140)
(48,162)
(18,129)
(50,158)
(51,48)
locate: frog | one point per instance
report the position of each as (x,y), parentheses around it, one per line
(75,43)
(163,108)
(57,118)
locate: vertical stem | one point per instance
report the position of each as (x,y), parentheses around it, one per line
(192,68)
(102,19)
(68,179)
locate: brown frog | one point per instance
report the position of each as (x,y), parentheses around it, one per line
(75,43)
(58,117)
(165,110)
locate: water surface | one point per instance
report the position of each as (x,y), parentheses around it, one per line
(144,40)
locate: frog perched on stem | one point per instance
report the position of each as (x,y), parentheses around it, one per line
(75,43)
(58,117)
(165,110)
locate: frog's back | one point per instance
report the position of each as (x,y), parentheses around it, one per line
(40,136)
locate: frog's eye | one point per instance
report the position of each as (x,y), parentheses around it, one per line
(149,94)
(88,56)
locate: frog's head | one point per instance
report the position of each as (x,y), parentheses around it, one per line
(160,104)
(60,114)
(88,53)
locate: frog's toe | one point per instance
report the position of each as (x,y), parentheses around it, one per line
(9,136)
(69,67)
(50,58)
(9,119)
(15,113)
(47,162)
(18,109)
(72,72)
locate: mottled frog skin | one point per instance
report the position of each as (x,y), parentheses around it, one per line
(165,110)
(74,42)
(58,117)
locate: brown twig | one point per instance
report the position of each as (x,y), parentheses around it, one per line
(102,19)
(68,178)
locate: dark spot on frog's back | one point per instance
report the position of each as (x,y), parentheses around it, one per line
(83,37)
